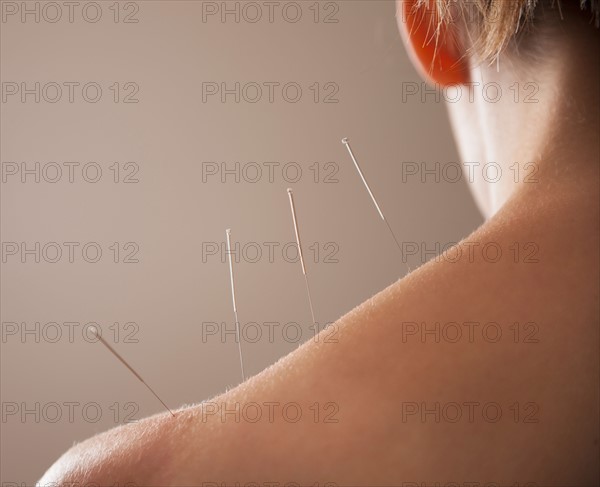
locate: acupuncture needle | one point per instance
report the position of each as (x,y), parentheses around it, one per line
(364,180)
(237,321)
(297,231)
(124,362)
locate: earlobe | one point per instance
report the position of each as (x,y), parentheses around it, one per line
(431,44)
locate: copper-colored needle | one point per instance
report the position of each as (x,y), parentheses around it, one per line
(364,180)
(297,231)
(237,321)
(124,362)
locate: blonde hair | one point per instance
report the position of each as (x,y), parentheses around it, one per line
(499,21)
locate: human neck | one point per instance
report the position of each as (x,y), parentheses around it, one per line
(543,129)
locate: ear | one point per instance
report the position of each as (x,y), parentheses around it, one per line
(432,46)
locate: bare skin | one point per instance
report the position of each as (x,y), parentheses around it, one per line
(367,384)
(373,369)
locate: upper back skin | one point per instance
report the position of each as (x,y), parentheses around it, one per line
(510,409)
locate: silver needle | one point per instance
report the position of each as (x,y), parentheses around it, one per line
(237,321)
(123,361)
(293,207)
(347,144)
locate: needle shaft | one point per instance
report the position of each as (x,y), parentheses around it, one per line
(362,176)
(364,180)
(300,253)
(237,321)
(124,362)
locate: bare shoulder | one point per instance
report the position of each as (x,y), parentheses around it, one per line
(480,366)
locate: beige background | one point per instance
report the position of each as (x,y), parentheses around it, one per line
(170,212)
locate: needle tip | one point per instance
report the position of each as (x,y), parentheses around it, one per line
(94,330)
(228,231)
(345,141)
(289,190)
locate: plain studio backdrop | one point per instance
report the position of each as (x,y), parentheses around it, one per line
(156,125)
